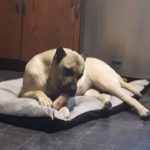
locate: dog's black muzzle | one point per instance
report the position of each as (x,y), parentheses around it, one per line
(70,90)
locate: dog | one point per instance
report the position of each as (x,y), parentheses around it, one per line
(52,73)
(63,70)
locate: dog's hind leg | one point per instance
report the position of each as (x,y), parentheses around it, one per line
(40,96)
(131,88)
(104,98)
(118,92)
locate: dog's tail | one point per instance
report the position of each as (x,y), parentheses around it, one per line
(131,88)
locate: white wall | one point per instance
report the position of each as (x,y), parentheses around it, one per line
(118,31)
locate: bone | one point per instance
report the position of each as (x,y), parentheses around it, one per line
(60,101)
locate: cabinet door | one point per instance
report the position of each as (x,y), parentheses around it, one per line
(48,24)
(10,29)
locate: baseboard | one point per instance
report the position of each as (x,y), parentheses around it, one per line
(12,64)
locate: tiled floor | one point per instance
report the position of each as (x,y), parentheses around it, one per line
(122,131)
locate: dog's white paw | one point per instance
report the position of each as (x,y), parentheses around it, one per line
(45,101)
(64,111)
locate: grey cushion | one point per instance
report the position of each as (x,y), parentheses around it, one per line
(11,104)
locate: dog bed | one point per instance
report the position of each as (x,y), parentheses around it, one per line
(28,111)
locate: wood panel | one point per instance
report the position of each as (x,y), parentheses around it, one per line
(49,24)
(10,29)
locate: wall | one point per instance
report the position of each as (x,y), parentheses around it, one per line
(118,31)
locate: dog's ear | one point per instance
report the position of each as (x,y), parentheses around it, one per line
(84,56)
(60,53)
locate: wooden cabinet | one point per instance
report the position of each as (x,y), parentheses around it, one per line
(32,26)
(48,24)
(10,29)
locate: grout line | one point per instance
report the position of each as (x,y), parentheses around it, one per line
(27,141)
(3,130)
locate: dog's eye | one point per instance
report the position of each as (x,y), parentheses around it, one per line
(68,72)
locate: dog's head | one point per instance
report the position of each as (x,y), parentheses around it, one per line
(67,68)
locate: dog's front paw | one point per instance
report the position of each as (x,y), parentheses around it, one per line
(64,111)
(44,100)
